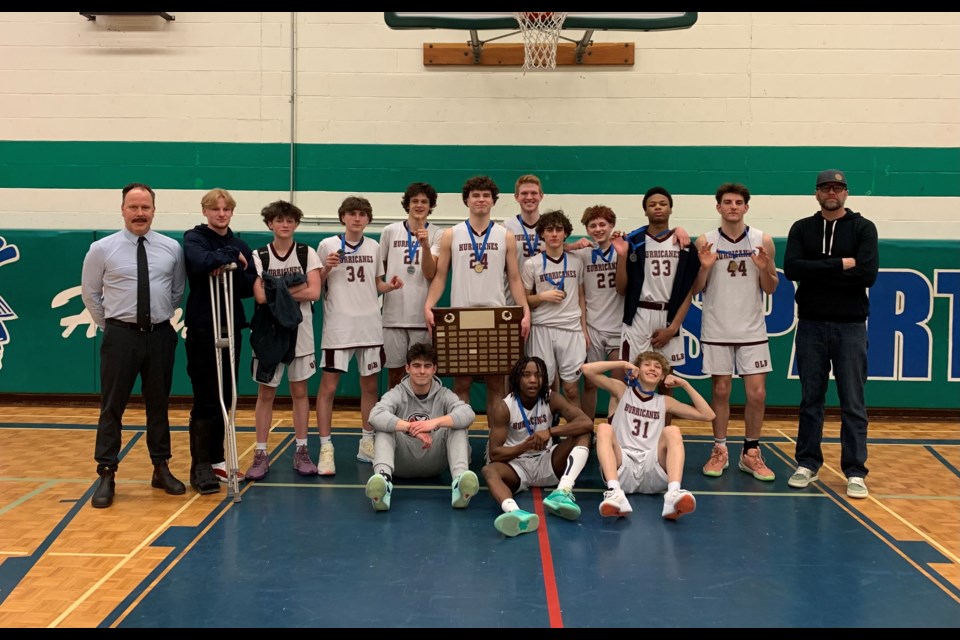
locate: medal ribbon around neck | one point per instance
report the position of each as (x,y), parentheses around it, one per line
(606,256)
(634,383)
(412,244)
(523,414)
(558,285)
(478,251)
(634,246)
(531,248)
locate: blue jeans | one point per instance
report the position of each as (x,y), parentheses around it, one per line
(844,344)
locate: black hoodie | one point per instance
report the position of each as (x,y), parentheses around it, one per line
(814,258)
(205,250)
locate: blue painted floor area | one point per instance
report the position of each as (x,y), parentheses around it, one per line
(311,552)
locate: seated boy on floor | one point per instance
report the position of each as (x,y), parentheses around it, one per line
(636,451)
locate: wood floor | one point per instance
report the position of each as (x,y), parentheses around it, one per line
(64,564)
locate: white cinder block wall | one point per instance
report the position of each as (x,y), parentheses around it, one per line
(860,80)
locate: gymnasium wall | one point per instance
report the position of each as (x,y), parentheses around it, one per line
(316,106)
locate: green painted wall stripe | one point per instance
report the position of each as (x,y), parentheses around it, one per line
(872,171)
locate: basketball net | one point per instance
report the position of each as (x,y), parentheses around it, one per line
(541,31)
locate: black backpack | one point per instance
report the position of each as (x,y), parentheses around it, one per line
(264,253)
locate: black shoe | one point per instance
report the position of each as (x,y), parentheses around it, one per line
(163,479)
(103,496)
(203,479)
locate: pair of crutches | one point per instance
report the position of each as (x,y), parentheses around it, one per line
(221,289)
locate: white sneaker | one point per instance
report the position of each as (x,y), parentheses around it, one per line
(802,478)
(365,451)
(326,465)
(678,502)
(856,488)
(615,504)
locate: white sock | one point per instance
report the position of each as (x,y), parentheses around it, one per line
(509,505)
(576,461)
(301,442)
(613,485)
(367,435)
(720,442)
(673,486)
(261,446)
(325,440)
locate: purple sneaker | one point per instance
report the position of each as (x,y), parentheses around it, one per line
(302,463)
(260,466)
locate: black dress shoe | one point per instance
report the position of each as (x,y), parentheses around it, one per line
(103,496)
(203,479)
(163,479)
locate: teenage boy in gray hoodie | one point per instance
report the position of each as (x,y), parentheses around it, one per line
(421,428)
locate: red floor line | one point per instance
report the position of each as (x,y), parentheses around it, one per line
(546,559)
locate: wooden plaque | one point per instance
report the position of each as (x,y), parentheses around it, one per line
(477,341)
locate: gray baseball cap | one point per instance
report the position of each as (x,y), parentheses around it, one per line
(831,175)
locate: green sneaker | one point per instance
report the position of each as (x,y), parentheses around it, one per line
(464,487)
(379,490)
(516,522)
(562,503)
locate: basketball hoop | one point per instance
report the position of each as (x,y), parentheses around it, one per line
(541,31)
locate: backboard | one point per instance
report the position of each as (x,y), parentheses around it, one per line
(594,21)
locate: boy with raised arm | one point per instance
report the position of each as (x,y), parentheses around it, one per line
(352,326)
(408,249)
(637,450)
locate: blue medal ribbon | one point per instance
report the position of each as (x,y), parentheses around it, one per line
(606,256)
(523,414)
(412,245)
(531,248)
(558,285)
(634,383)
(482,249)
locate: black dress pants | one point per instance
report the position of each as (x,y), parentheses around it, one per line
(126,353)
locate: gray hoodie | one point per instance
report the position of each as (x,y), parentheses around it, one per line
(401,403)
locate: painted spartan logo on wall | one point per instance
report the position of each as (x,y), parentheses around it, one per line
(8,253)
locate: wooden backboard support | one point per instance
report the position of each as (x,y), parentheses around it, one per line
(511,55)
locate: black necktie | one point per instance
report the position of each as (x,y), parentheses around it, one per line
(143,286)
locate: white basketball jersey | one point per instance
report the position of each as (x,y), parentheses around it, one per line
(661,256)
(403,308)
(469,288)
(604,304)
(529,243)
(539,418)
(537,274)
(351,307)
(733,300)
(290,263)
(638,421)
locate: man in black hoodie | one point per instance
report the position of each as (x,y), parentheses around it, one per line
(833,255)
(207,248)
